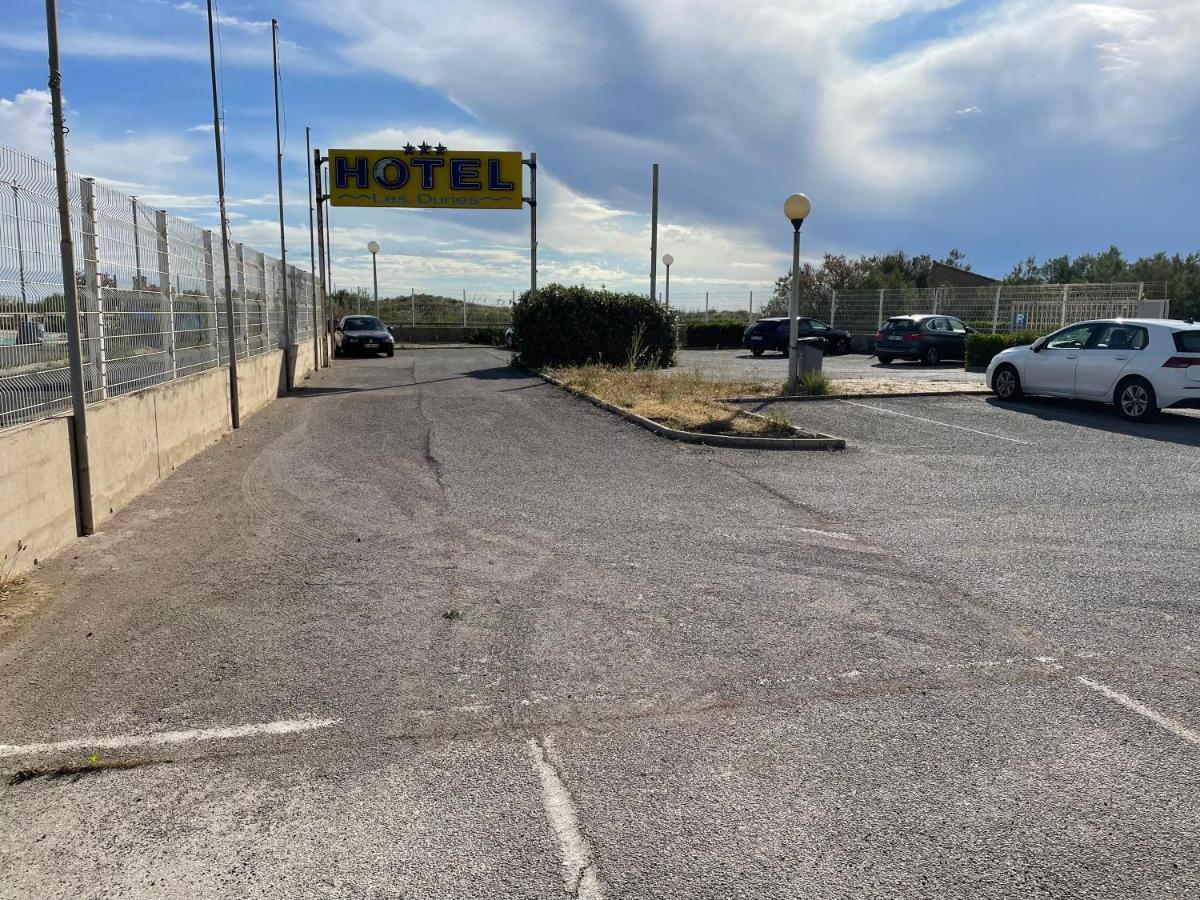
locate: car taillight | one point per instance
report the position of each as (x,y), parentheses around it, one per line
(1182,362)
(914,336)
(879,335)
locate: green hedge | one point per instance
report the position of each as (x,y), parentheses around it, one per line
(722,333)
(982,347)
(565,326)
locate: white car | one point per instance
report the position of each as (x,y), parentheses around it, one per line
(1139,365)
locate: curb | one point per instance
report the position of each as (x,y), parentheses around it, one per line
(812,398)
(745,442)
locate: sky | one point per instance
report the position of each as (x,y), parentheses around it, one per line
(1002,128)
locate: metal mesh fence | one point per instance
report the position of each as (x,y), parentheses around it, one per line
(150,290)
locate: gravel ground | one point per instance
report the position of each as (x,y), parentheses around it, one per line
(895,671)
(773,367)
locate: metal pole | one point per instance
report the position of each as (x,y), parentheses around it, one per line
(1063,311)
(375,282)
(329,246)
(706,306)
(833,308)
(996,309)
(320,232)
(654,232)
(312,251)
(20,246)
(412,298)
(234,411)
(879,318)
(752,306)
(794,312)
(668,303)
(464,309)
(287,324)
(79,435)
(137,247)
(532,201)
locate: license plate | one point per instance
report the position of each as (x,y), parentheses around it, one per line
(756,338)
(370,344)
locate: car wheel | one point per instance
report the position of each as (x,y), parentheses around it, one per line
(391,351)
(884,359)
(931,357)
(1006,383)
(1135,399)
(757,351)
(843,347)
(337,353)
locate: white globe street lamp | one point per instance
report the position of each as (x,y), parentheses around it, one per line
(667,260)
(797,208)
(373,247)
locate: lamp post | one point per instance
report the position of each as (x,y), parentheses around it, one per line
(667,260)
(796,208)
(374,248)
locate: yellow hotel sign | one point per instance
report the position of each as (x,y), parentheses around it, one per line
(425,178)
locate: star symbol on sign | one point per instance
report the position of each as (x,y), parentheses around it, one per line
(425,148)
(440,149)
(409,149)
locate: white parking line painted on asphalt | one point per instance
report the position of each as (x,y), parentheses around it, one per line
(163,738)
(833,534)
(1142,709)
(578,872)
(893,412)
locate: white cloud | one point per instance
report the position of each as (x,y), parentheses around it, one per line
(247,25)
(25,122)
(204,128)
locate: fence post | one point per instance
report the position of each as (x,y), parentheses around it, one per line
(996,309)
(752,306)
(412,297)
(833,308)
(241,292)
(164,280)
(1063,315)
(97,354)
(210,291)
(706,306)
(464,309)
(879,318)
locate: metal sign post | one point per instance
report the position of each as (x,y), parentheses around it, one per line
(287,324)
(654,232)
(320,223)
(532,201)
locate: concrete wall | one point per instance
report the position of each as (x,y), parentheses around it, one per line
(134,441)
(37,493)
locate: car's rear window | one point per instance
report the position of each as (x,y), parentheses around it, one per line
(900,325)
(363,323)
(1187,341)
(760,326)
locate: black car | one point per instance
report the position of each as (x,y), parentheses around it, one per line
(772,334)
(926,338)
(362,334)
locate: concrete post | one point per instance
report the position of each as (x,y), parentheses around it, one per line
(210,291)
(240,281)
(164,283)
(94,294)
(833,308)
(879,318)
(996,309)
(1063,312)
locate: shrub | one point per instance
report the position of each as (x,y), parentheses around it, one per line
(722,333)
(567,326)
(487,336)
(982,347)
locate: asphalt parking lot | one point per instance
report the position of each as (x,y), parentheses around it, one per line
(957,660)
(740,364)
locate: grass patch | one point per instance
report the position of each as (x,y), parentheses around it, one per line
(817,384)
(683,400)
